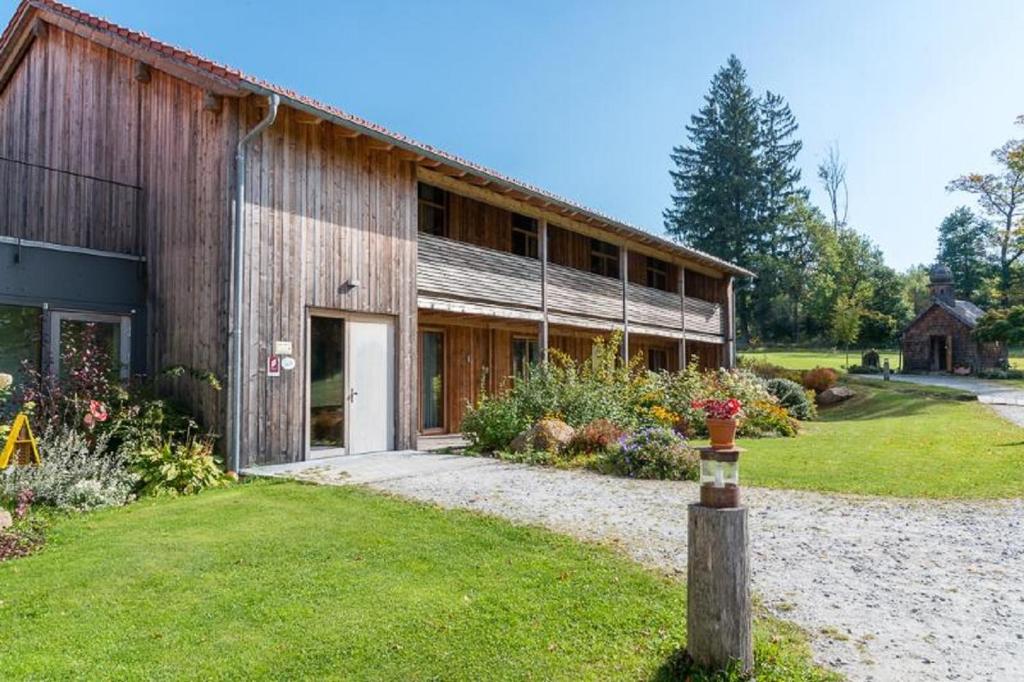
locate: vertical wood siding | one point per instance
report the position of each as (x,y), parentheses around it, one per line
(323,210)
(131,167)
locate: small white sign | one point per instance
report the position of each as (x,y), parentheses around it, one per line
(288,363)
(282,348)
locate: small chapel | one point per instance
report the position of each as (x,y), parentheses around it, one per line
(941,338)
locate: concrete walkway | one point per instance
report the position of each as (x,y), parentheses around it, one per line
(888,589)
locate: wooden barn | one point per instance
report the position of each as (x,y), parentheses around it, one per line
(941,338)
(354,287)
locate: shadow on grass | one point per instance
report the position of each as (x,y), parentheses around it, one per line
(891,401)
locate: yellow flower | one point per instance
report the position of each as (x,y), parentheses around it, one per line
(5,381)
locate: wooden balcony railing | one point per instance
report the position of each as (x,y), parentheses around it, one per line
(449,269)
(63,207)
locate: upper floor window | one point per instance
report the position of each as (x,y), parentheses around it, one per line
(524,236)
(657,273)
(433,210)
(604,258)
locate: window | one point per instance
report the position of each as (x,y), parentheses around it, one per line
(433,210)
(604,258)
(20,338)
(111,333)
(525,353)
(431,381)
(657,273)
(657,359)
(524,236)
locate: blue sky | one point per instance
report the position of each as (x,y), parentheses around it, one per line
(587,98)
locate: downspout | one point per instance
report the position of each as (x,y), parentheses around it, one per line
(237,268)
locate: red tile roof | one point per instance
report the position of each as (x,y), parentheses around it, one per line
(242,81)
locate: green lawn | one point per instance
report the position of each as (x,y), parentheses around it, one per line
(896,439)
(809,358)
(288,581)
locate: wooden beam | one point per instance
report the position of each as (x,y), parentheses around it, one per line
(342,131)
(542,239)
(624,273)
(142,72)
(16,50)
(303,118)
(212,102)
(682,316)
(378,145)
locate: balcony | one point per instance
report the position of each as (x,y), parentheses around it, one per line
(73,209)
(459,277)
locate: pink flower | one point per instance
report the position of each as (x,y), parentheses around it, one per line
(97,410)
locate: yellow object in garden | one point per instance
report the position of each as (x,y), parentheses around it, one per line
(21,443)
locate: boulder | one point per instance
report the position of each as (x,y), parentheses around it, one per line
(836,394)
(547,435)
(6,520)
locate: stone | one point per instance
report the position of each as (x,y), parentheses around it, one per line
(547,435)
(836,394)
(6,520)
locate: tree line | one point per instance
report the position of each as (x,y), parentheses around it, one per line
(738,194)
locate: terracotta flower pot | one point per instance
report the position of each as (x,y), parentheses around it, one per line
(722,433)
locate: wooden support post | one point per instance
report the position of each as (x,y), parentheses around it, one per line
(682,316)
(730,329)
(624,273)
(719,619)
(542,247)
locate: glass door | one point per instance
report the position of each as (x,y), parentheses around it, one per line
(431,381)
(326,384)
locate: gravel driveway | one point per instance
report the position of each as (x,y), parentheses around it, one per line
(888,589)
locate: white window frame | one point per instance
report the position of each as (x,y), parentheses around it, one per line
(125,322)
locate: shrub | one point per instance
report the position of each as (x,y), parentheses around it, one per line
(792,396)
(602,387)
(767,370)
(1001,374)
(863,369)
(765,418)
(820,379)
(599,436)
(76,474)
(494,423)
(179,467)
(652,452)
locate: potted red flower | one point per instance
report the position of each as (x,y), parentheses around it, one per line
(722,418)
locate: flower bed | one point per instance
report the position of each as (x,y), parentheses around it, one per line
(606,404)
(103,442)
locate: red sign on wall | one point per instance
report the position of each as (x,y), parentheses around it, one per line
(273,365)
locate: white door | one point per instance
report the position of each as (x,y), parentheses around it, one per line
(371,384)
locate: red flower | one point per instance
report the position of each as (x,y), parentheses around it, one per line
(97,411)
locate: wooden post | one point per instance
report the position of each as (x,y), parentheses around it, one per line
(730,327)
(624,273)
(719,617)
(542,246)
(682,316)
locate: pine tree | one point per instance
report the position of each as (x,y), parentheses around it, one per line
(780,177)
(717,177)
(964,240)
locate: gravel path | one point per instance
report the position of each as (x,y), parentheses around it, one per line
(888,589)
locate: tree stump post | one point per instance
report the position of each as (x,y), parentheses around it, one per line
(719,617)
